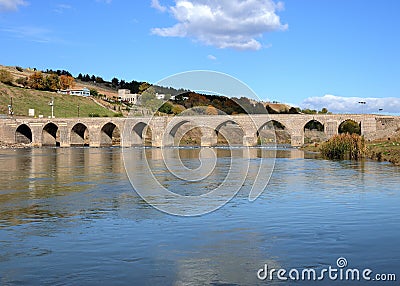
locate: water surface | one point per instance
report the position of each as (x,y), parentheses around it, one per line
(70,217)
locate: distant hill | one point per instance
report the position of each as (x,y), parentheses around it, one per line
(64,105)
(106,103)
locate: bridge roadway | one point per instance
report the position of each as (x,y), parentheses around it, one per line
(97,132)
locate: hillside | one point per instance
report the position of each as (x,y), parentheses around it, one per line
(64,105)
(105,96)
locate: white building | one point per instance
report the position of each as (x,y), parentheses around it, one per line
(125,95)
(78,92)
(164,96)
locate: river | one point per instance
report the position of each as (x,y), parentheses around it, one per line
(71,217)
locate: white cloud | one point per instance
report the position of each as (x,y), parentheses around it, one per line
(212,57)
(34,34)
(61,8)
(156,5)
(11,5)
(233,24)
(341,104)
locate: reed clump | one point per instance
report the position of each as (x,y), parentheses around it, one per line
(344,146)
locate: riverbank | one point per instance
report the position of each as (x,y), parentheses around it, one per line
(388,151)
(382,151)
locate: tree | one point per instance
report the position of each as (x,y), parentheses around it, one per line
(196,99)
(94,92)
(294,110)
(99,79)
(52,82)
(323,111)
(115,82)
(80,76)
(36,80)
(6,77)
(309,111)
(66,82)
(350,126)
(166,108)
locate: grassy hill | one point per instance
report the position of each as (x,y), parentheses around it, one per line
(64,105)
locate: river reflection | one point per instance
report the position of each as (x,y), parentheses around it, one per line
(70,217)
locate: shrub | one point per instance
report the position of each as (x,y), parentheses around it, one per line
(344,146)
(19,69)
(94,92)
(22,81)
(6,77)
(177,109)
(118,114)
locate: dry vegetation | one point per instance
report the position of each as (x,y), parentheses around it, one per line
(344,146)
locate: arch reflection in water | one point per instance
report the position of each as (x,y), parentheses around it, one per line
(183,186)
(60,178)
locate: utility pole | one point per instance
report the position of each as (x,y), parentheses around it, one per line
(10,107)
(363,103)
(51,103)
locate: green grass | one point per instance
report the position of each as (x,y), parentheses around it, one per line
(385,151)
(64,105)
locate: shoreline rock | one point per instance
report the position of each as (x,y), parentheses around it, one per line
(4,145)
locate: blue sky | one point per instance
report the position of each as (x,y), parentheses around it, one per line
(306,52)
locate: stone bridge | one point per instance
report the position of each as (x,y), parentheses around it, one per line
(162,131)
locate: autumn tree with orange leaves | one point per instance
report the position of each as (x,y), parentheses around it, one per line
(66,82)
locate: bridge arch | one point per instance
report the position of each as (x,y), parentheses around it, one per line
(50,135)
(273,131)
(23,134)
(184,132)
(141,134)
(314,131)
(229,132)
(110,135)
(350,126)
(79,135)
